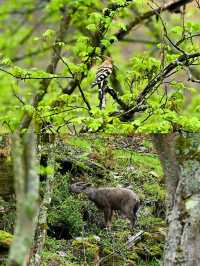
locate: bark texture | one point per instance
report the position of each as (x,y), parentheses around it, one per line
(180,157)
(27,197)
(41,229)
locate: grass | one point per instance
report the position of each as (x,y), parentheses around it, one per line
(142,161)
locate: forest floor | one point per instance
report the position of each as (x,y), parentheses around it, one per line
(76,233)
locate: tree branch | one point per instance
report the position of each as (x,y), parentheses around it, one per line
(26,119)
(28,76)
(96,42)
(155,82)
(138,20)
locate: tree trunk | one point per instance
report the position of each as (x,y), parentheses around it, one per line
(41,229)
(180,157)
(27,197)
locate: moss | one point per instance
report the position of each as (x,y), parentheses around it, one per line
(142,161)
(144,173)
(122,235)
(84,250)
(147,221)
(5,239)
(133,256)
(68,208)
(152,244)
(150,263)
(156,250)
(50,258)
(79,142)
(155,191)
(113,259)
(148,250)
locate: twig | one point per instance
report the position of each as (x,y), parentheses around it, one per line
(132,240)
(27,76)
(167,70)
(64,62)
(166,33)
(73,76)
(96,42)
(29,34)
(116,98)
(186,38)
(18,97)
(67,110)
(83,97)
(190,78)
(152,86)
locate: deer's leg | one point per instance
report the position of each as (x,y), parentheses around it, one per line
(132,219)
(133,214)
(108,212)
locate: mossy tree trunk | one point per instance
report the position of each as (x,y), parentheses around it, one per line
(41,228)
(180,157)
(46,141)
(27,197)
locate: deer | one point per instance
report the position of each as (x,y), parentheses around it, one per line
(110,199)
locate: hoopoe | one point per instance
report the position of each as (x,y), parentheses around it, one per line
(102,74)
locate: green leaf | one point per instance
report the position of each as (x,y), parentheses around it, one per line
(49,34)
(28,108)
(91,27)
(6,61)
(177,29)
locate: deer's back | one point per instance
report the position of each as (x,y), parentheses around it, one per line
(115,198)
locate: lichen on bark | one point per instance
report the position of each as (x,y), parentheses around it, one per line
(183,239)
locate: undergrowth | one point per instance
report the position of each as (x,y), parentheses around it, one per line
(86,241)
(76,233)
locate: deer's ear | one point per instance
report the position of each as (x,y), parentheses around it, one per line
(87,185)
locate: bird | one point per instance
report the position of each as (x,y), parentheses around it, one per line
(103,72)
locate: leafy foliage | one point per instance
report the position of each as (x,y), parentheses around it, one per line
(50,52)
(96,27)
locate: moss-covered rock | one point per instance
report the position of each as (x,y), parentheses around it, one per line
(5,239)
